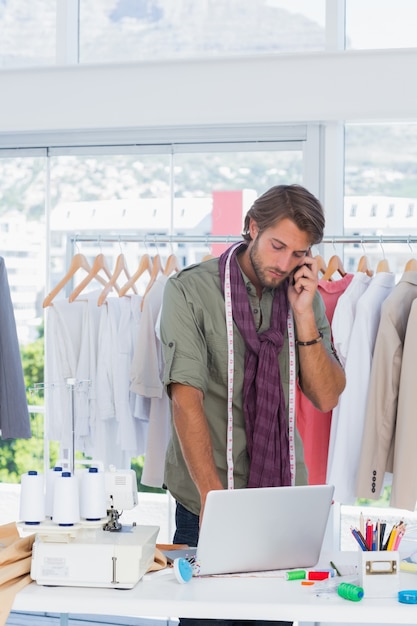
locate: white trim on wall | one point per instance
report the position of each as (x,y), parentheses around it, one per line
(152,138)
(315,87)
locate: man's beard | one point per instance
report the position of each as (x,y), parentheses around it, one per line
(265,279)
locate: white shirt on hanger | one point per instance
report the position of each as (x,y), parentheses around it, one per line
(344,313)
(349,415)
(146,381)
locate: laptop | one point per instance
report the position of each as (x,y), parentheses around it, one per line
(267,528)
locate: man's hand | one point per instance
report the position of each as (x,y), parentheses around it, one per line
(302,288)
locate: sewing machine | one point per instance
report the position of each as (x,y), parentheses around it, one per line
(102,553)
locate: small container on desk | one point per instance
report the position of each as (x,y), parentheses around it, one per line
(379,573)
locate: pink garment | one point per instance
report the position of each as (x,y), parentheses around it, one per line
(313,425)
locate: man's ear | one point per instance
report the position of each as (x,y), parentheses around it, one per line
(253,228)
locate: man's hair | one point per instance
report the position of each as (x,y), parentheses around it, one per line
(293,202)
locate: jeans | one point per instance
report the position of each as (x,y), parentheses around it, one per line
(187,529)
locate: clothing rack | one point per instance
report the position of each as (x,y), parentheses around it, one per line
(206,239)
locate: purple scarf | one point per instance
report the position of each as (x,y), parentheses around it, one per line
(263,396)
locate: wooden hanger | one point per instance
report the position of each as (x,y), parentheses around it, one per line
(363,266)
(78,261)
(335,265)
(321,264)
(207,257)
(383,266)
(156,269)
(411,266)
(121,266)
(171,265)
(145,263)
(99,265)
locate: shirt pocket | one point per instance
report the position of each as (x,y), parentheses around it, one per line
(217,355)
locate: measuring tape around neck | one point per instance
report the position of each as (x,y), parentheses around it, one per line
(230,370)
(291,393)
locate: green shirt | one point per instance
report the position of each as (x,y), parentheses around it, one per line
(193,334)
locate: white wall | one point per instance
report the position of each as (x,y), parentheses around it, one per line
(357,85)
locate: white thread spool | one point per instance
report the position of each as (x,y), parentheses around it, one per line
(51,478)
(32,498)
(66,508)
(93,505)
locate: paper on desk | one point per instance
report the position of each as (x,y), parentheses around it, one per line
(346,569)
(409,563)
(268,574)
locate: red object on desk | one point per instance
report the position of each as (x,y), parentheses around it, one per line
(369,534)
(318,575)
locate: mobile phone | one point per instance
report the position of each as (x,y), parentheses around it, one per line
(296,270)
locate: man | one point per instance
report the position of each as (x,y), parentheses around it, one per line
(240,317)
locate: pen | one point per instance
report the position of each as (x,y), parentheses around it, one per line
(374,535)
(359,539)
(335,568)
(362,538)
(382,533)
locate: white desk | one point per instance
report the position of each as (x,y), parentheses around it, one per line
(228,598)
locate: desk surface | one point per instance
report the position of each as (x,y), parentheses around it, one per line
(160,595)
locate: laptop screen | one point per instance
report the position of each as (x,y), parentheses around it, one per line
(268,528)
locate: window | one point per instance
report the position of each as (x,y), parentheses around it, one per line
(27,33)
(124,31)
(22,239)
(380,24)
(381,179)
(197,191)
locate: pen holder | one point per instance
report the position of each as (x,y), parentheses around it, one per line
(379,573)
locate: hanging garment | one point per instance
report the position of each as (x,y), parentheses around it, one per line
(376,456)
(113,415)
(314,425)
(14,414)
(67,356)
(344,313)
(93,346)
(341,327)
(349,414)
(146,381)
(404,479)
(132,433)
